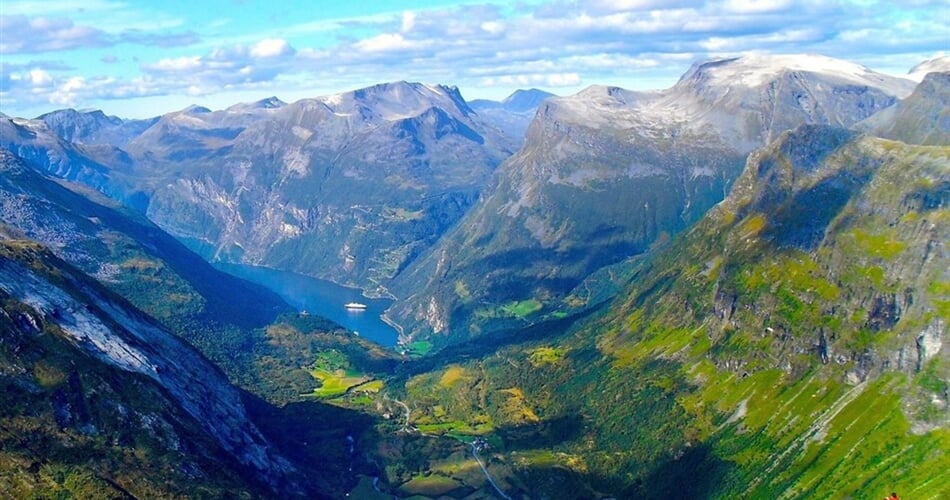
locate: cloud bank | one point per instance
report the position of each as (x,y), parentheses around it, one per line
(490,47)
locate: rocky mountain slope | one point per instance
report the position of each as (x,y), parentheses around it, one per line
(241,327)
(921,118)
(100,401)
(514,113)
(39,144)
(298,186)
(94,127)
(133,257)
(791,344)
(349,187)
(608,172)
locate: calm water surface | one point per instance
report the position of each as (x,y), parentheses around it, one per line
(323,298)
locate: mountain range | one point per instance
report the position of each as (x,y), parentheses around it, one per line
(736,286)
(607,173)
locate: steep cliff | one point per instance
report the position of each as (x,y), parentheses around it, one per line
(99,400)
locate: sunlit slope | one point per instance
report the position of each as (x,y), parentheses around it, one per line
(790,345)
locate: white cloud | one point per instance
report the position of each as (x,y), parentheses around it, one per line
(39,78)
(178,64)
(562,79)
(67,93)
(756,6)
(408,21)
(533,79)
(639,5)
(553,43)
(493,27)
(22,34)
(271,47)
(386,42)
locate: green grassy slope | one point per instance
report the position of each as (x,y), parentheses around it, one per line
(789,345)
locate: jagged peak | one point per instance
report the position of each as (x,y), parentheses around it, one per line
(270,102)
(267,103)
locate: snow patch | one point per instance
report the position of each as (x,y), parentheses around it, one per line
(757,70)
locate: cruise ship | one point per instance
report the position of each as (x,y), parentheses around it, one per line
(354,305)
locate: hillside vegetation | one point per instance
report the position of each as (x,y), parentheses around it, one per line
(787,346)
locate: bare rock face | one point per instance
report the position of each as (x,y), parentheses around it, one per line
(349,187)
(929,342)
(297,186)
(82,321)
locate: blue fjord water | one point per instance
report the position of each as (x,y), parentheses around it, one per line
(323,298)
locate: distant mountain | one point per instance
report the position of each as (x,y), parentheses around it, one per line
(93,127)
(921,118)
(267,103)
(938,64)
(607,173)
(349,187)
(793,342)
(36,142)
(514,113)
(520,101)
(99,401)
(295,186)
(133,257)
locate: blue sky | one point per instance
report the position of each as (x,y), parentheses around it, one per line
(143,58)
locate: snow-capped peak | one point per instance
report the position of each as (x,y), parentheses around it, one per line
(759,69)
(396,100)
(935,64)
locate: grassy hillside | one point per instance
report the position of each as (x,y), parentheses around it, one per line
(789,345)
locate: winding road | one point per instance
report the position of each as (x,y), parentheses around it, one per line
(405,426)
(487,475)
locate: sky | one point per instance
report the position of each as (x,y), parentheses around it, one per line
(142,58)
